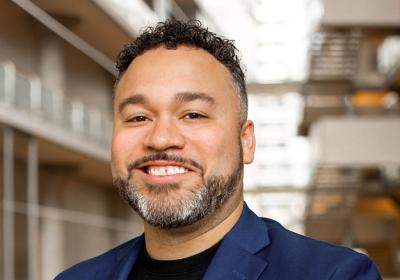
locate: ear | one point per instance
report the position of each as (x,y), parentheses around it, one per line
(248,140)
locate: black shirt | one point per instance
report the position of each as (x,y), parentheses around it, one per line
(191,268)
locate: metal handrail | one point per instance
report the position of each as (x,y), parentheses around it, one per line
(27,94)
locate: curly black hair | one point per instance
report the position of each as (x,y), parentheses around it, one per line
(171,34)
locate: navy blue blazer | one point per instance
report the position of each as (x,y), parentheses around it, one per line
(255,248)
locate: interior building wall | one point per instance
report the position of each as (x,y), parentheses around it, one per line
(17,43)
(76,75)
(77,218)
(86,81)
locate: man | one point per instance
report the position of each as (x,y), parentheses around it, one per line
(181,137)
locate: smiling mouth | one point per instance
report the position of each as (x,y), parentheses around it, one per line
(161,171)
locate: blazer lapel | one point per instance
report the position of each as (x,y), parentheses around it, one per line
(125,259)
(233,262)
(236,257)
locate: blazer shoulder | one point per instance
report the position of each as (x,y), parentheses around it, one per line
(314,258)
(282,237)
(87,269)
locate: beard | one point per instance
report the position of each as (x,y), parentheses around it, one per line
(202,200)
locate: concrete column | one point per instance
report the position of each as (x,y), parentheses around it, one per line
(51,61)
(368,74)
(162,8)
(52,231)
(33,209)
(52,249)
(8,205)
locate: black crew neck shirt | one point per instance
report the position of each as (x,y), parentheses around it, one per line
(191,268)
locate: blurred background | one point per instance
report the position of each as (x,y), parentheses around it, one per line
(323,81)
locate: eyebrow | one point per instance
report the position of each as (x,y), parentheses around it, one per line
(132,100)
(182,97)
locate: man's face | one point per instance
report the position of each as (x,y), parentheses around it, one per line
(178,150)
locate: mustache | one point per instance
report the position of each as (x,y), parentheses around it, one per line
(163,156)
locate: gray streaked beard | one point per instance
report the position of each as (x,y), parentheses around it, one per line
(203,200)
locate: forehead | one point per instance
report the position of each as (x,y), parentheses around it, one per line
(162,71)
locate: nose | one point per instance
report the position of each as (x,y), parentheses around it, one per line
(164,135)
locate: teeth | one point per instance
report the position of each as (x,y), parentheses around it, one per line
(166,170)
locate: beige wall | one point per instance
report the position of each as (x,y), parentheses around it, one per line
(17,37)
(79,76)
(87,81)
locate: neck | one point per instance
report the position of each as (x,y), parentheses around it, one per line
(184,242)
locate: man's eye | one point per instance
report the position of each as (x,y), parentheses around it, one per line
(137,119)
(194,115)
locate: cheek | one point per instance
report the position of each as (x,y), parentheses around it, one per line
(218,148)
(122,146)
(210,141)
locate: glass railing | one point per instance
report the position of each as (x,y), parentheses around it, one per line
(27,94)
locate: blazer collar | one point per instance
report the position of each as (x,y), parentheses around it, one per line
(236,258)
(250,232)
(125,259)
